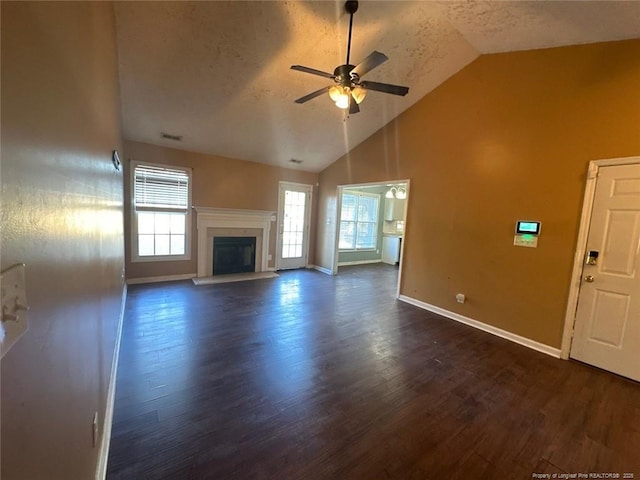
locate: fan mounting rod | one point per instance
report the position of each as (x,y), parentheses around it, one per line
(351,7)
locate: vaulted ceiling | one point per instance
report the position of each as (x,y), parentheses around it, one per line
(218,73)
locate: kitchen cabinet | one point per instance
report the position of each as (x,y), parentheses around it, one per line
(394,208)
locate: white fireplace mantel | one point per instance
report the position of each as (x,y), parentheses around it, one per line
(210,218)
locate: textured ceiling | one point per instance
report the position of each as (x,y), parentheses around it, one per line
(218,73)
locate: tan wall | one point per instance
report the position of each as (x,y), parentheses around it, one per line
(217,182)
(507,138)
(62,216)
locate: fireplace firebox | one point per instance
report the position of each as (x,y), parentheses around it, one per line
(234,255)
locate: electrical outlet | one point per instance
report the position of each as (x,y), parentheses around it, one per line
(460,298)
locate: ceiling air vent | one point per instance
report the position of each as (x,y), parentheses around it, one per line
(168,136)
(296,161)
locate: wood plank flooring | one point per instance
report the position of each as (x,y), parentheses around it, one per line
(309,376)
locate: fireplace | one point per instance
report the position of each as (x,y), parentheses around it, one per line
(234,255)
(226,222)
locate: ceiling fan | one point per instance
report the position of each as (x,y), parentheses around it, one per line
(349,90)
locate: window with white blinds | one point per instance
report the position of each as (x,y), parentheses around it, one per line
(161,188)
(161,213)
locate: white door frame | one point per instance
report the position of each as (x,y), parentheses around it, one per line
(583,232)
(307,214)
(340,188)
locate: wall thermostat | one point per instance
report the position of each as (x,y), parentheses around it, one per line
(527,227)
(527,234)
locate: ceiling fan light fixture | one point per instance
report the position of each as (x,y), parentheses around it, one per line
(343,102)
(358,94)
(391,193)
(401,194)
(335,92)
(340,95)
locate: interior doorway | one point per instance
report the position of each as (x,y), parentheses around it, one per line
(606,307)
(371,224)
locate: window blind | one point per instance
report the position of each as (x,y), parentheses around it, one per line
(161,188)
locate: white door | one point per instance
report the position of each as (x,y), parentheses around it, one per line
(607,326)
(294,212)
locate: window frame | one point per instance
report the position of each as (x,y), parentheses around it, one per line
(378,197)
(135,257)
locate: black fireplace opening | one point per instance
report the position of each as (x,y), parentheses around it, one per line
(234,255)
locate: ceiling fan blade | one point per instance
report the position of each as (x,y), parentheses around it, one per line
(385,88)
(313,95)
(353,106)
(369,63)
(313,71)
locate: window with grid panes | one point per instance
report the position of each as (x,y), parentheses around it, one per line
(293,229)
(359,221)
(161,212)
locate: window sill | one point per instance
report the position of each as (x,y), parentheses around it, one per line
(357,250)
(163,258)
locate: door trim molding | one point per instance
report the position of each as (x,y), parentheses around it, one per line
(309,210)
(336,221)
(105,437)
(320,269)
(581,247)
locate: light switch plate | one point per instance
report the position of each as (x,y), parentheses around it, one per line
(13,305)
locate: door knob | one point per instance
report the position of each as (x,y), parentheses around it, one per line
(588,278)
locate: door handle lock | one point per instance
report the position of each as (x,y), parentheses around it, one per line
(592,257)
(589,278)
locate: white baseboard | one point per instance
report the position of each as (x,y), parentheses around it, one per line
(527,342)
(103,454)
(162,278)
(321,269)
(359,262)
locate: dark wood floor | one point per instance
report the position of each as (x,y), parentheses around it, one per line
(308,376)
